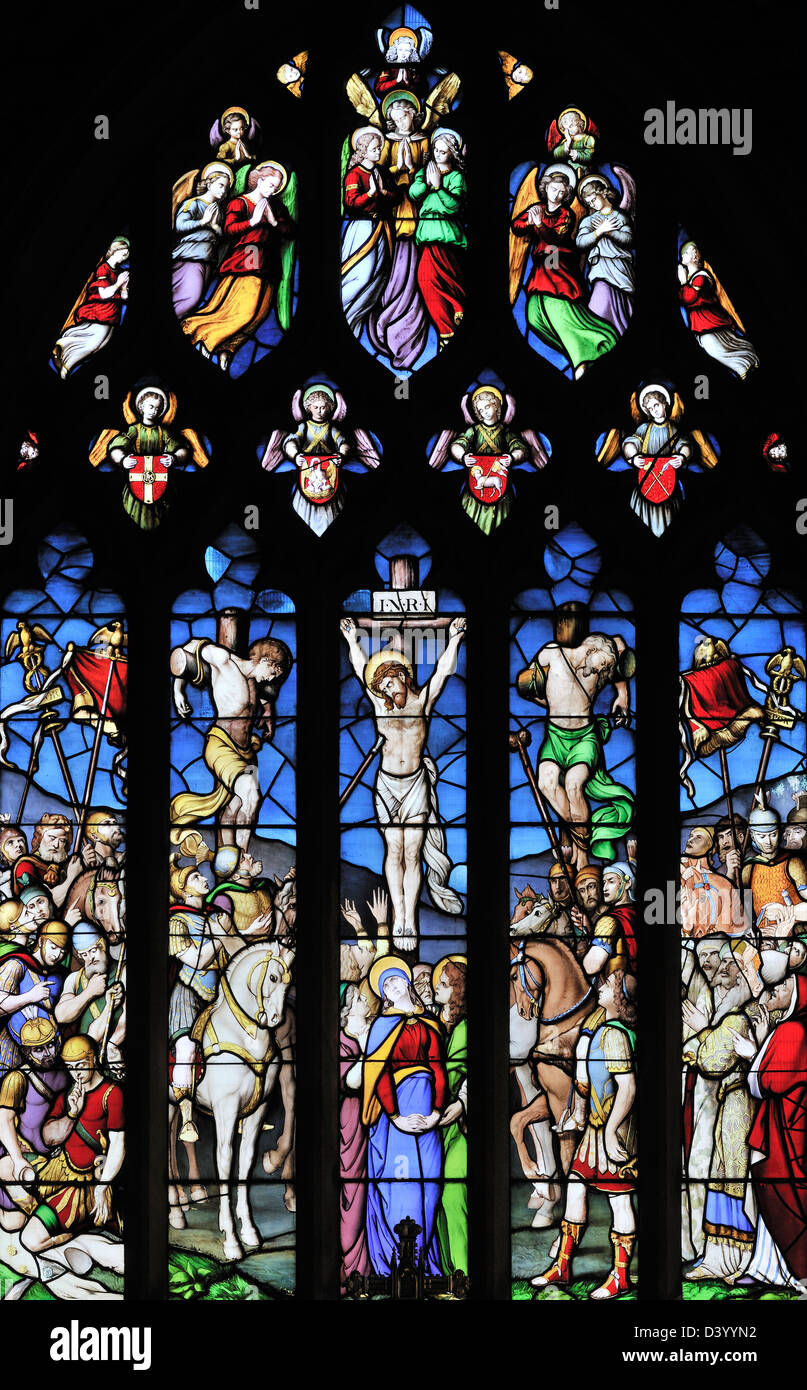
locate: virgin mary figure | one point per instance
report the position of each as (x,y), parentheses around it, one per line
(405,1090)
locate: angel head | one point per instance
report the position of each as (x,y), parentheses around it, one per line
(267,179)
(403,46)
(402,112)
(691,256)
(597,193)
(654,403)
(557,186)
(572,123)
(117,251)
(367,144)
(487,404)
(319,402)
(150,404)
(447,149)
(235,123)
(215,180)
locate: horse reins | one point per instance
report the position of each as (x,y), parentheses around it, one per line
(524,970)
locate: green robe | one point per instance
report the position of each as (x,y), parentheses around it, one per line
(488,439)
(145,439)
(452,1216)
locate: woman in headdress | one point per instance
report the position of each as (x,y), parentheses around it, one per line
(358,1007)
(405,1090)
(555,308)
(98,311)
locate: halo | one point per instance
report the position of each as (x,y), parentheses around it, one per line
(378,659)
(272,164)
(654,386)
(447,131)
(571,174)
(365,130)
(151,391)
(403,33)
(567,111)
(400,94)
(319,386)
(458,959)
(490,391)
(394,964)
(593,178)
(210,170)
(234,111)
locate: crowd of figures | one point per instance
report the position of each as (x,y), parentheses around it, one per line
(744,1006)
(62,1031)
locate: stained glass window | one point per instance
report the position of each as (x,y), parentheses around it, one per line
(743,938)
(573,929)
(63,769)
(231,931)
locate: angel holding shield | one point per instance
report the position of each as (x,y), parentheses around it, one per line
(319,449)
(488,448)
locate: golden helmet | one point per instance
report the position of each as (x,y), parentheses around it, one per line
(79,1049)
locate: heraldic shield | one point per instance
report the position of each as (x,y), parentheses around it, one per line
(148,476)
(488,475)
(658,478)
(319,476)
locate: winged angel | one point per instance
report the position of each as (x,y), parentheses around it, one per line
(576,231)
(319,448)
(403,176)
(234,251)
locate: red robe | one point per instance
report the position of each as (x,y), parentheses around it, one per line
(98,310)
(706,313)
(779,1133)
(254,250)
(556,233)
(417,1043)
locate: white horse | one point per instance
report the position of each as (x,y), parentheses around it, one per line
(242,1064)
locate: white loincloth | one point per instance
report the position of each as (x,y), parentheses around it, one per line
(402,801)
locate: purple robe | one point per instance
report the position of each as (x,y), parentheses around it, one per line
(353,1170)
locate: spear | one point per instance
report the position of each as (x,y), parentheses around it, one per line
(519,743)
(108,1024)
(357,776)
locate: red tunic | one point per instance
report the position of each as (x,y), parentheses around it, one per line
(779,1133)
(102,1115)
(360,201)
(556,232)
(29,870)
(706,313)
(257,249)
(98,310)
(416,1043)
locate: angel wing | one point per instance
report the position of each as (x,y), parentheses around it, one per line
(707,453)
(441,98)
(341,408)
(526,196)
(425,36)
(99,449)
(628,200)
(217,136)
(182,190)
(360,97)
(441,451)
(198,453)
(285,289)
(635,412)
(366,449)
(612,447)
(537,451)
(274,450)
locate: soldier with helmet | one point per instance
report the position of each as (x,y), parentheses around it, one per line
(777,877)
(86,1122)
(26,1096)
(29,978)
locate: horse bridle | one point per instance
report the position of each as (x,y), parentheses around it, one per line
(521,960)
(247,1022)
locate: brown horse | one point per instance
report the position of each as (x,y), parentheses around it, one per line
(99,896)
(549,998)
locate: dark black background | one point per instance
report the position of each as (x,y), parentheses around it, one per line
(162,73)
